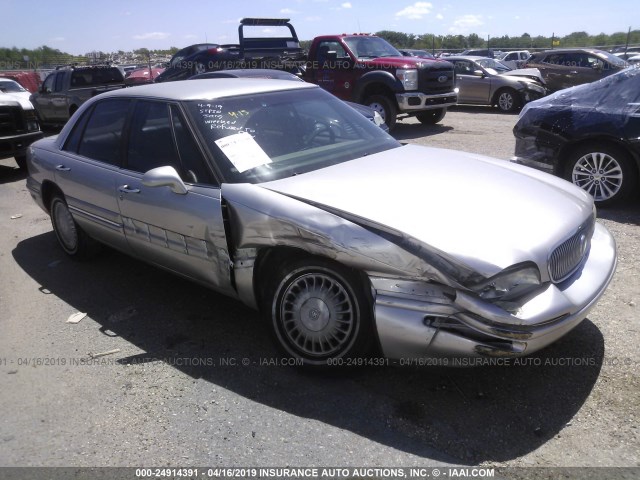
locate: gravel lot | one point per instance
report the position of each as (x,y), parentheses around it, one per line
(193,382)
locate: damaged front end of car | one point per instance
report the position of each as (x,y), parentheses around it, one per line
(426,303)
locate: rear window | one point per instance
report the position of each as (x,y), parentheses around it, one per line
(96,76)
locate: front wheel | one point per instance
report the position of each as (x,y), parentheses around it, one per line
(508,100)
(385,107)
(320,313)
(605,172)
(431,117)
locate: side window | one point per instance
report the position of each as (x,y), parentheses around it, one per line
(150,138)
(73,140)
(194,168)
(81,78)
(555,59)
(512,56)
(103,133)
(59,82)
(595,62)
(325,47)
(463,67)
(47,86)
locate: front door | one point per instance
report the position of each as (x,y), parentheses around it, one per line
(182,232)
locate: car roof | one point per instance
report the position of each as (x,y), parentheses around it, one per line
(570,50)
(466,57)
(208,89)
(248,73)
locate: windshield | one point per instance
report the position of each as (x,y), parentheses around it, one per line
(269,136)
(617,61)
(371,47)
(490,64)
(8,86)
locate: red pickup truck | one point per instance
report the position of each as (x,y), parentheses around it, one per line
(366,69)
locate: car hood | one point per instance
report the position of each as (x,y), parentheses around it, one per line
(532,74)
(487,213)
(403,62)
(20,97)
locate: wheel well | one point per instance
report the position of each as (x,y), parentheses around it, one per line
(269,260)
(565,152)
(377,89)
(49,190)
(267,263)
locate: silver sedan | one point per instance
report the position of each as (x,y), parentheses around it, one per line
(350,244)
(484,81)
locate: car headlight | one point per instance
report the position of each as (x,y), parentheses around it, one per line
(511,283)
(532,86)
(408,77)
(31,120)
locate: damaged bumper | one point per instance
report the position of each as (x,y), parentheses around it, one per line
(419,320)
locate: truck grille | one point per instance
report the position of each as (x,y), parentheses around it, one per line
(429,79)
(566,258)
(11,120)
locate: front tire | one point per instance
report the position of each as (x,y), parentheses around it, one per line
(507,100)
(606,172)
(431,117)
(385,107)
(73,240)
(319,312)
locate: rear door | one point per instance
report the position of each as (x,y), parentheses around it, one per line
(87,167)
(181,232)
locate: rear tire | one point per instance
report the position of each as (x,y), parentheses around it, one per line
(431,117)
(385,107)
(73,240)
(606,172)
(319,312)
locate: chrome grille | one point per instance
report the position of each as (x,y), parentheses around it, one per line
(10,119)
(566,258)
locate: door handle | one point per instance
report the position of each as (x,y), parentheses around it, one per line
(127,189)
(62,168)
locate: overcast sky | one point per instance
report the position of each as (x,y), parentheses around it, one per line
(78,27)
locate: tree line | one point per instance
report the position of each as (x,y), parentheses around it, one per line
(525,41)
(428,41)
(47,57)
(44,56)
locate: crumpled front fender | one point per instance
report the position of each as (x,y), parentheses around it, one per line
(260,218)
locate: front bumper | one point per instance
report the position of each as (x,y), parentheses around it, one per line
(416,320)
(416,101)
(533,149)
(16,145)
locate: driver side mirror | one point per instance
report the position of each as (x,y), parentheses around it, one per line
(478,73)
(165,177)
